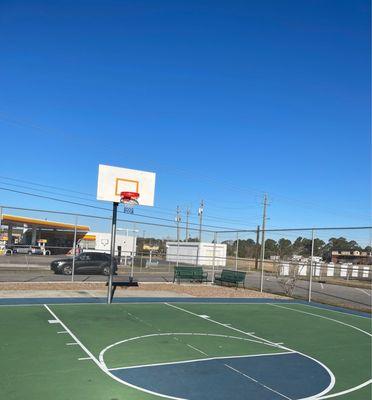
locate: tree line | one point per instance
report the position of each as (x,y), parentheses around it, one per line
(286,249)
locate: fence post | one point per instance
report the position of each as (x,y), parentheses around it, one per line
(74,250)
(214,255)
(178,220)
(237,251)
(134,245)
(262,258)
(257,252)
(311,264)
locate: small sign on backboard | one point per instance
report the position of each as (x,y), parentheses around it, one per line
(114,180)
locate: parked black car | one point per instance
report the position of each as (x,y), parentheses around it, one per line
(85,263)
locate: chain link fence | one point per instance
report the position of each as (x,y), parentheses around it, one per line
(329,265)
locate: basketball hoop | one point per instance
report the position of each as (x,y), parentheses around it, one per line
(129,199)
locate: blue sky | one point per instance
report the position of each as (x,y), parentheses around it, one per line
(225,100)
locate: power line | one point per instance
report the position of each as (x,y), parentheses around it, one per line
(44,191)
(94,200)
(43,185)
(101,208)
(301,203)
(91,216)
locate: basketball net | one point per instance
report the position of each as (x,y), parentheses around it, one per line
(129,200)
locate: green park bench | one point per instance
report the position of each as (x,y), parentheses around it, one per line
(230,277)
(189,273)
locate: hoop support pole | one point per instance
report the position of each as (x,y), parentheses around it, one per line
(113,237)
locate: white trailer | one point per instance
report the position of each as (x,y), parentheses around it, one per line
(197,253)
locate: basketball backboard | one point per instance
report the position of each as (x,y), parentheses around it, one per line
(114,180)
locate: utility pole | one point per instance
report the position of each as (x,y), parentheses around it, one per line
(187,224)
(200,214)
(263,241)
(178,220)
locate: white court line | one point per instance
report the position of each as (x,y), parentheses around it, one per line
(74,337)
(103,367)
(332,377)
(228,326)
(53,321)
(203,359)
(196,349)
(84,358)
(364,291)
(366,383)
(62,332)
(258,382)
(321,316)
(101,355)
(71,344)
(179,334)
(325,309)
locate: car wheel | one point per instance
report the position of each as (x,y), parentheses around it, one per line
(47,253)
(67,270)
(106,270)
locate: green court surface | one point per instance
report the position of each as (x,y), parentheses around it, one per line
(184,350)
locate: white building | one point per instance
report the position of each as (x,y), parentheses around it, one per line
(125,245)
(195,252)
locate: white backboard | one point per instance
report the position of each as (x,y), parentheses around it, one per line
(114,180)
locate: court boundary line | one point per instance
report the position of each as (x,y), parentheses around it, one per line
(322,316)
(354,388)
(326,308)
(316,396)
(187,300)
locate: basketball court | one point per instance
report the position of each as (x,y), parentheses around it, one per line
(181,349)
(194,349)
